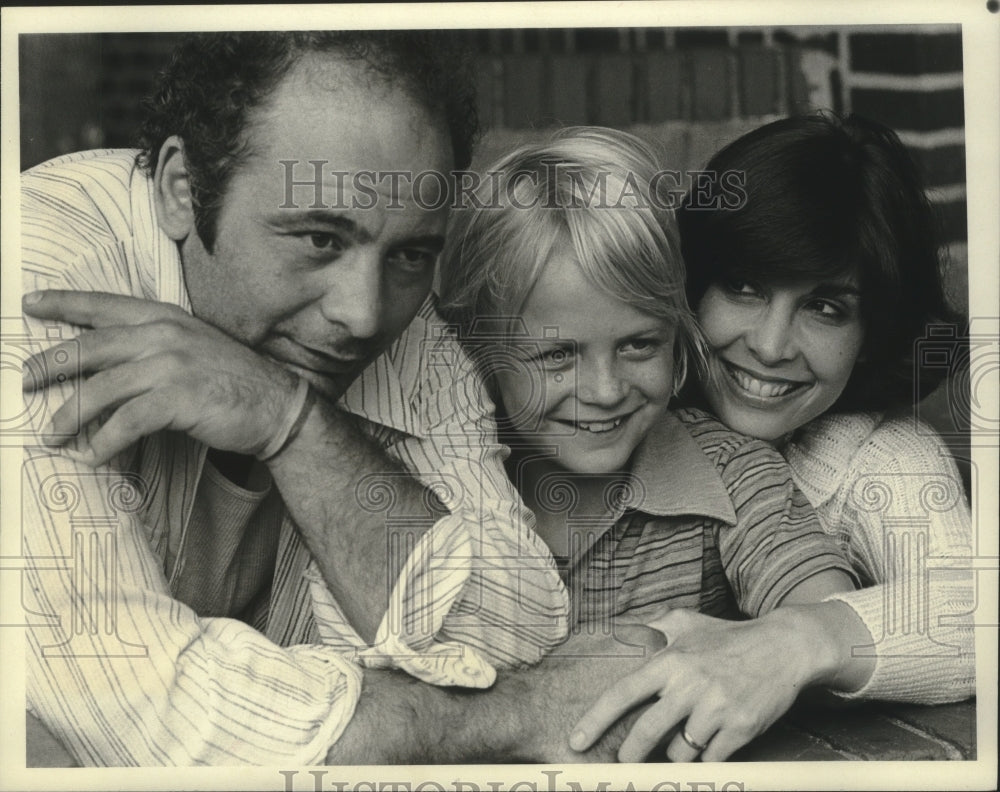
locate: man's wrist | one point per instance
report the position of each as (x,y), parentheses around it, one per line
(291,423)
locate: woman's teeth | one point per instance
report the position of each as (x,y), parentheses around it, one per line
(757,387)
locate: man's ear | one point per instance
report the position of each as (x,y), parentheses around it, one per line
(172,191)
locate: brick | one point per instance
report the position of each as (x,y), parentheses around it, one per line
(913,110)
(783,742)
(954,723)
(486,93)
(656,39)
(568,82)
(758,81)
(941,165)
(796,86)
(596,39)
(954,220)
(662,80)
(701,37)
(906,53)
(828,42)
(710,85)
(58,94)
(750,37)
(613,94)
(865,733)
(523,78)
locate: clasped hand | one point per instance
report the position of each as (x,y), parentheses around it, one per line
(153,366)
(722,682)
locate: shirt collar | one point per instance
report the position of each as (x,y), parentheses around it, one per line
(675,477)
(387,391)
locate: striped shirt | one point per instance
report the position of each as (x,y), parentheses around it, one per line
(711,520)
(126,673)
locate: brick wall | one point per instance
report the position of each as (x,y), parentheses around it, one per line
(695,89)
(691,89)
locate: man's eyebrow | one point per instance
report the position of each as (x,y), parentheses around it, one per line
(310,218)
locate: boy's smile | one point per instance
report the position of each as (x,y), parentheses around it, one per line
(595,387)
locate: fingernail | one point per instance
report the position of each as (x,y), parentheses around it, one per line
(578,741)
(32,297)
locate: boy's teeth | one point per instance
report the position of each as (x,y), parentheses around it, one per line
(600,426)
(758,387)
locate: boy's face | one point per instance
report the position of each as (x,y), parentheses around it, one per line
(324,277)
(595,375)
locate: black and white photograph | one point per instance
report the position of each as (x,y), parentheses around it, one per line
(501,396)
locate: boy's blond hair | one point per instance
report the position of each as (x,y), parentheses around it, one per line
(586,187)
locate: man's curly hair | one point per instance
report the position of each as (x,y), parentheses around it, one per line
(213,80)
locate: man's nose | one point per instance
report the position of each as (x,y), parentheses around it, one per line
(600,384)
(771,339)
(354,296)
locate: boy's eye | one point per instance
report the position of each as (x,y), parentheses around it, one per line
(555,358)
(639,345)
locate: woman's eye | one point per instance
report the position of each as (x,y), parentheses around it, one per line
(828,309)
(741,287)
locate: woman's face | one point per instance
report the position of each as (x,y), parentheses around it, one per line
(592,375)
(782,352)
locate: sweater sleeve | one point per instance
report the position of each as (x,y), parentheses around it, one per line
(904,512)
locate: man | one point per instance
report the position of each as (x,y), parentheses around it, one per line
(285,370)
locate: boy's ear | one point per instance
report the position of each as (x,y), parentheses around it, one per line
(172,191)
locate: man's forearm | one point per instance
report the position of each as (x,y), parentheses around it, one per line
(320,476)
(525,717)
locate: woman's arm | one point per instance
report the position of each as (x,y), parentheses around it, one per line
(725,681)
(903,507)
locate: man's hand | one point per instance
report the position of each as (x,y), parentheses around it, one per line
(722,682)
(155,367)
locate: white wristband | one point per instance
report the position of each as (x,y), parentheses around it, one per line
(291,424)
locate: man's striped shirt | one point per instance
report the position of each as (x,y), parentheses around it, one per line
(124,672)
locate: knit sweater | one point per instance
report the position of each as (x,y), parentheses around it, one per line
(888,491)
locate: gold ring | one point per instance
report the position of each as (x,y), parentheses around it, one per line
(692,742)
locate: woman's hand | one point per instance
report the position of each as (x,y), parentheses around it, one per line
(720,682)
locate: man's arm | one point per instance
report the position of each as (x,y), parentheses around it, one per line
(525,717)
(159,368)
(318,477)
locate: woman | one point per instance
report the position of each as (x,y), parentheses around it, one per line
(812,294)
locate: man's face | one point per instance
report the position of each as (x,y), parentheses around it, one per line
(325,290)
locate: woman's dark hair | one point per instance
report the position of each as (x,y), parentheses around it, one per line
(213,80)
(824,196)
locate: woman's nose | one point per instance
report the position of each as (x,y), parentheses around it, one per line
(771,339)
